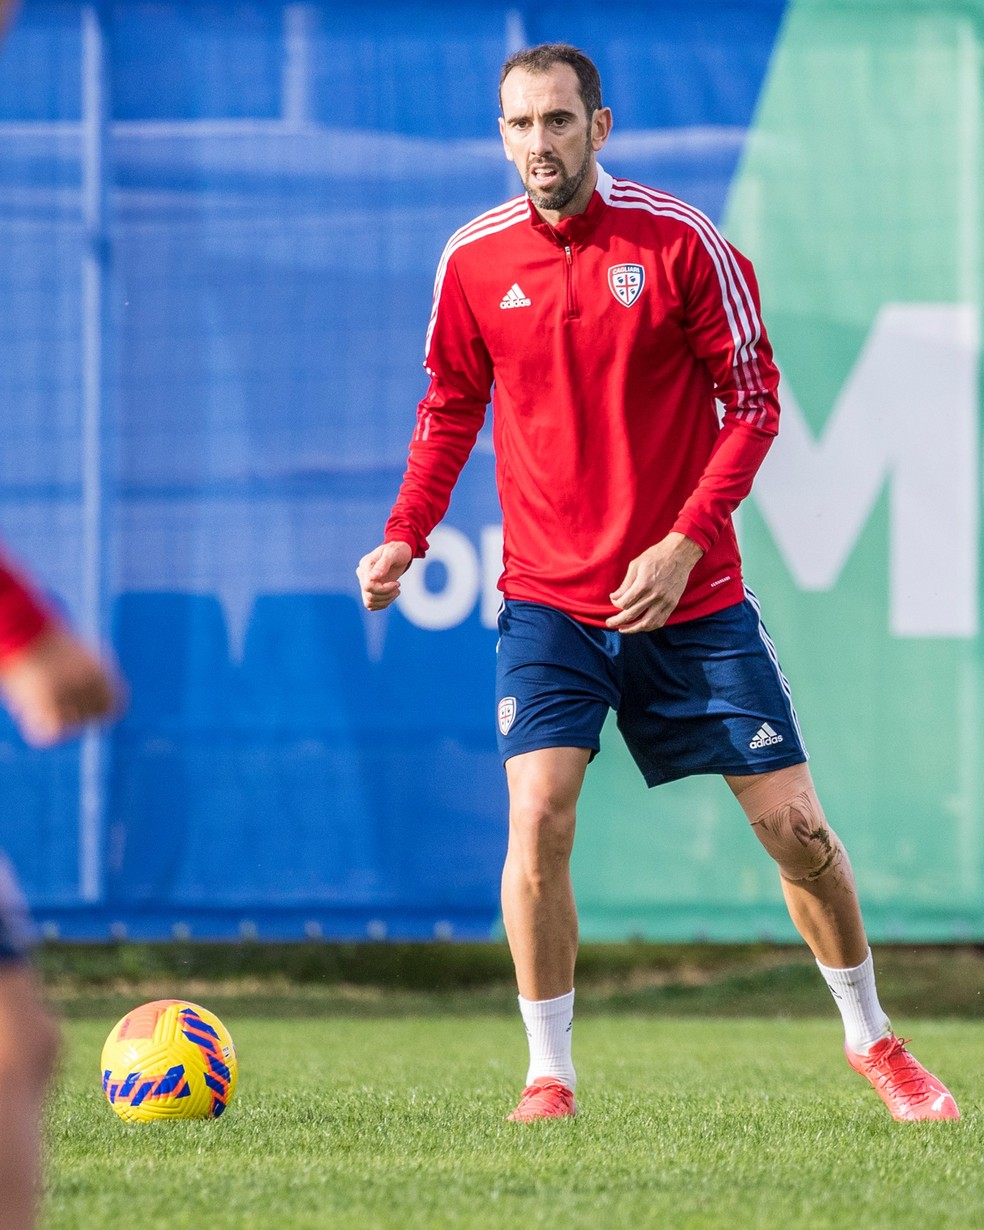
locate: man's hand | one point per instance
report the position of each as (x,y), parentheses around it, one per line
(54,686)
(379,574)
(653,584)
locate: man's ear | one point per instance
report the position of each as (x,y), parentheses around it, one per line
(601,127)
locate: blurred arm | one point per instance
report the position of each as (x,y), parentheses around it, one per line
(55,685)
(51,683)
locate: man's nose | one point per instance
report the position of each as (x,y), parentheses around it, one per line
(541,141)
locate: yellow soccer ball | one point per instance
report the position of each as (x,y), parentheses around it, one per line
(169,1059)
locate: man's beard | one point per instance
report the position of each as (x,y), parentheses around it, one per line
(568,186)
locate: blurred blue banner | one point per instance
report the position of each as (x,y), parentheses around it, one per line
(218,233)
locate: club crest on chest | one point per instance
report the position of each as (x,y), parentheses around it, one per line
(626,282)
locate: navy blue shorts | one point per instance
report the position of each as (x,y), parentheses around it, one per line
(703,696)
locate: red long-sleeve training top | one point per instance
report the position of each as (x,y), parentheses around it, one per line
(605,343)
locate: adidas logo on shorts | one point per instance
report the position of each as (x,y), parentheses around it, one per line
(765,737)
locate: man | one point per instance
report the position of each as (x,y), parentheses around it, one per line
(52,686)
(610,317)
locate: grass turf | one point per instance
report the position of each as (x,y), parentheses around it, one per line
(422,979)
(380,1121)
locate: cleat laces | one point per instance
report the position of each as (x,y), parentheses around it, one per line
(907,1089)
(545,1098)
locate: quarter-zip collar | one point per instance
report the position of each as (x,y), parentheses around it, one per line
(577,228)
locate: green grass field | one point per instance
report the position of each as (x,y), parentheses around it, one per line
(376,1120)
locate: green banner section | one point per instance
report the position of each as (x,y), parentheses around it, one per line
(859,199)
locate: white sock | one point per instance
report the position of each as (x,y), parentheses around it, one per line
(854,992)
(549,1023)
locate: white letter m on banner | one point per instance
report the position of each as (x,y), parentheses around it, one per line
(907,414)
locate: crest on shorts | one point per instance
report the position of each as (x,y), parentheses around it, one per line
(507,713)
(626,283)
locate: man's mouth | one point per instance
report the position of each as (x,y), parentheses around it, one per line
(544,173)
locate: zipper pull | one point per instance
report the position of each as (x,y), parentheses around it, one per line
(567,253)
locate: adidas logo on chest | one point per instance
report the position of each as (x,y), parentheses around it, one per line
(514,298)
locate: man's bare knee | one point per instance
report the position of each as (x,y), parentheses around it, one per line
(543,792)
(542,834)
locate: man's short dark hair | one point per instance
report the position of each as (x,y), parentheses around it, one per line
(541,59)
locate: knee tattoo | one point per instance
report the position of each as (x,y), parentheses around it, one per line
(796,834)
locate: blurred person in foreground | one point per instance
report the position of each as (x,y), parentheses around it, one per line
(605,319)
(53,686)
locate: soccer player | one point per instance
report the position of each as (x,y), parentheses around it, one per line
(52,685)
(606,318)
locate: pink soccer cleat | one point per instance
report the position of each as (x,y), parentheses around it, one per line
(903,1084)
(545,1098)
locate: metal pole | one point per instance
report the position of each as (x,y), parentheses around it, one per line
(970,290)
(515,39)
(95,125)
(299,22)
